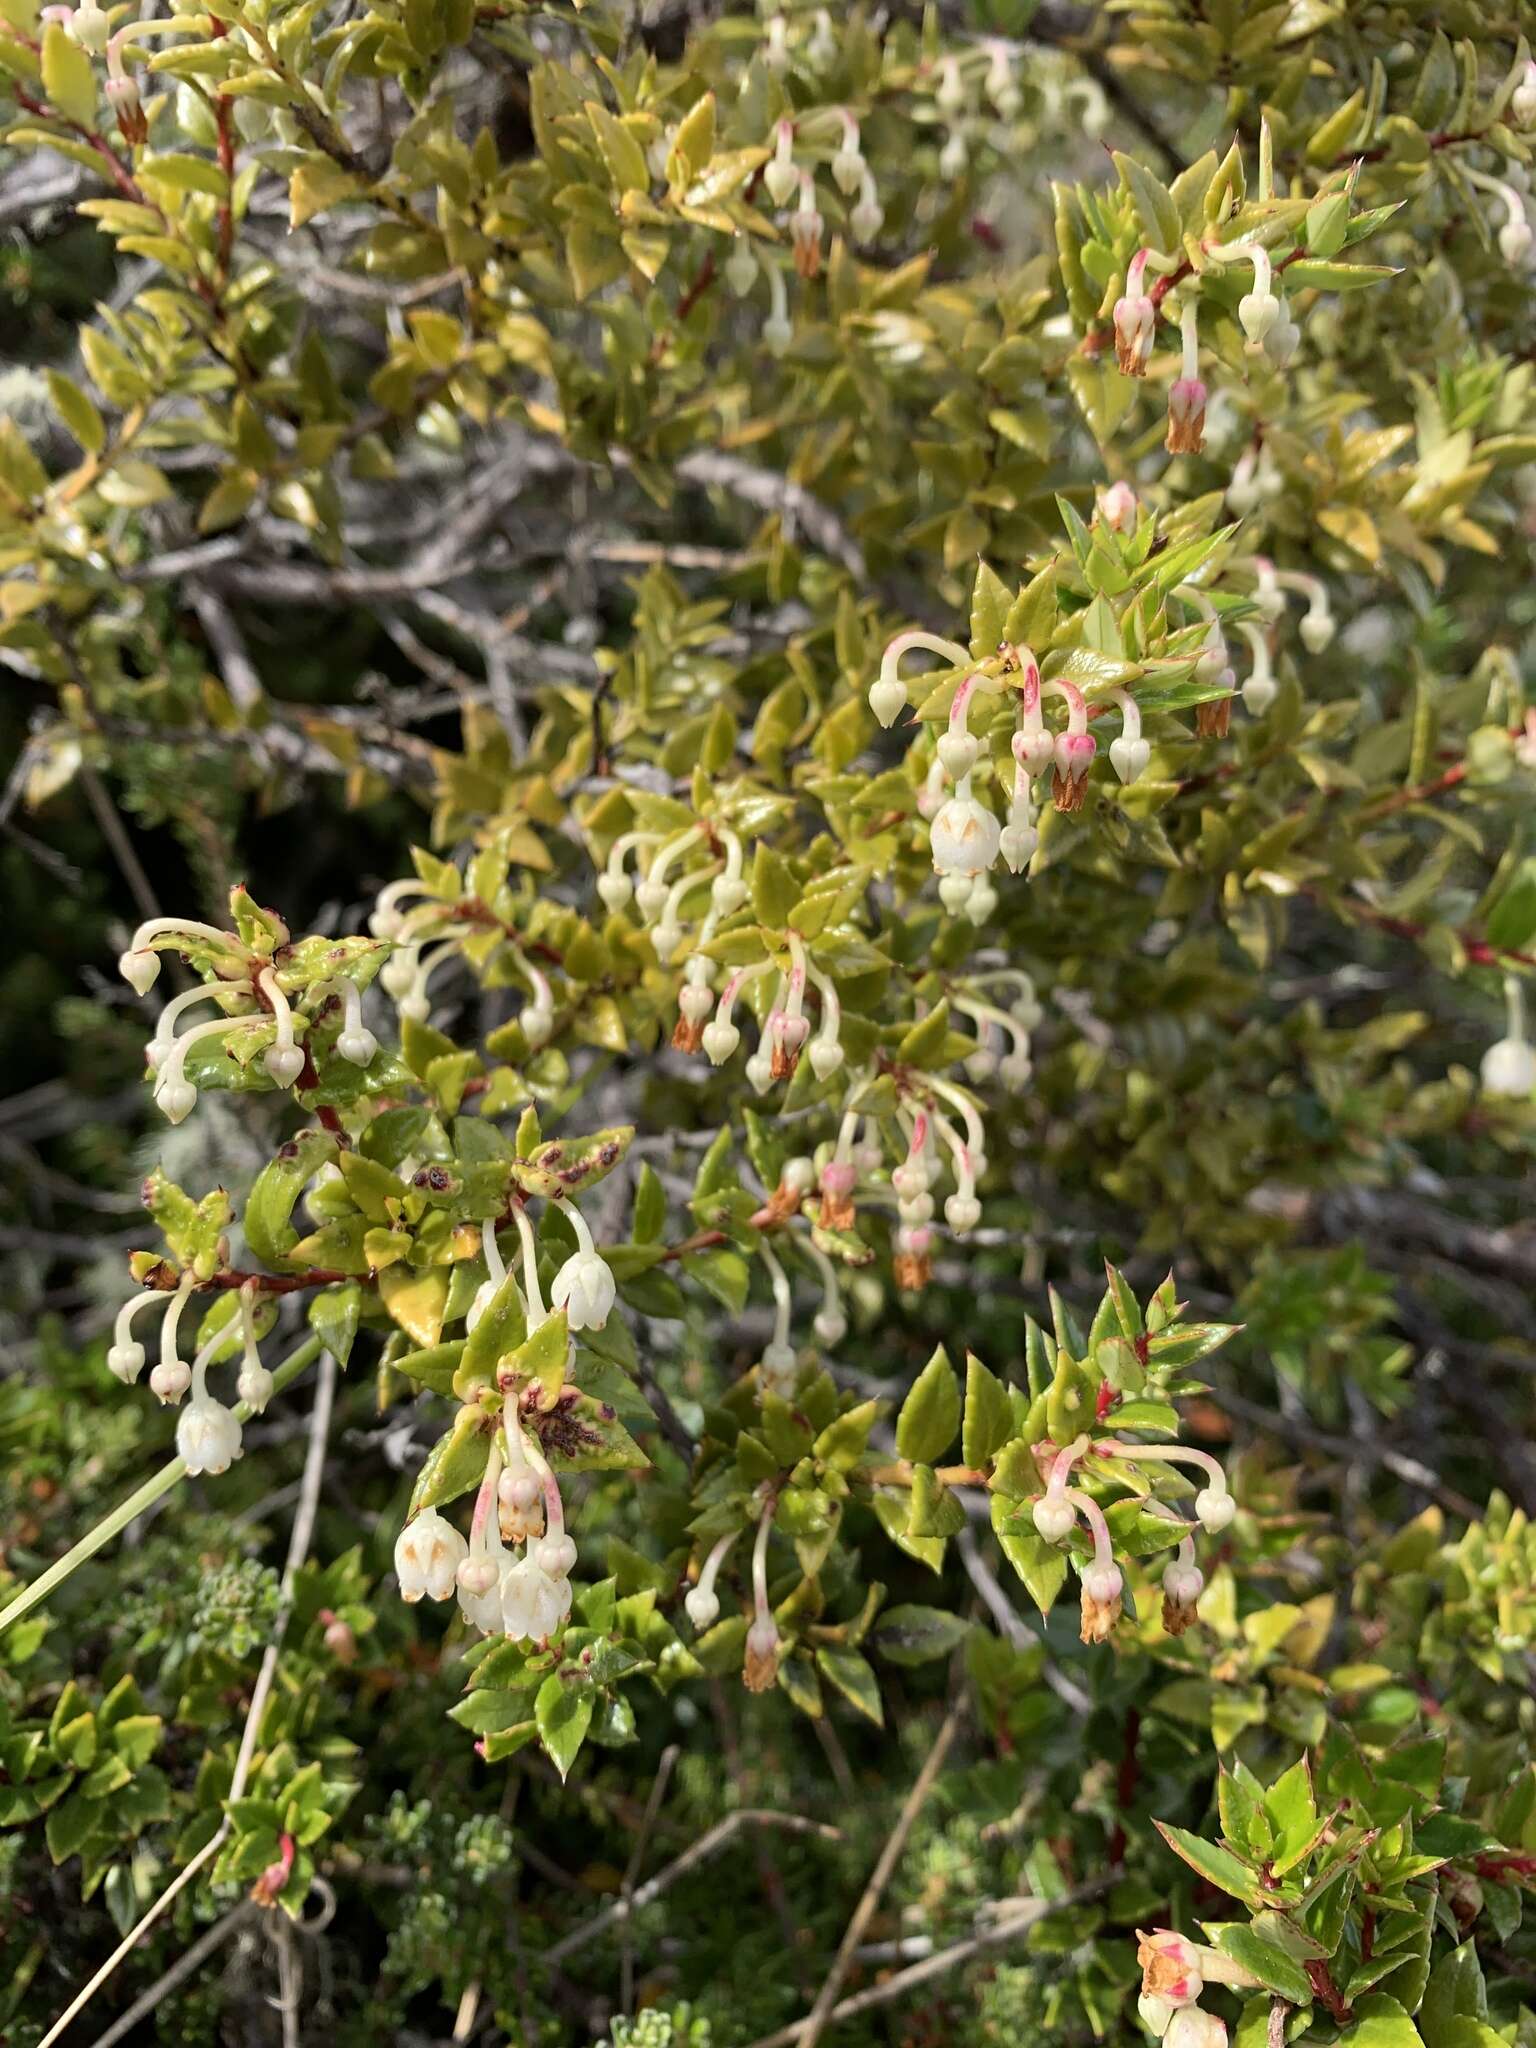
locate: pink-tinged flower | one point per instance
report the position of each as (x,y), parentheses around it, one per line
(1186,416)
(1135,319)
(1192,2028)
(1170,1966)
(1118,507)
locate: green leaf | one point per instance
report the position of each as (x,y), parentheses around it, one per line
(917,1635)
(1041,1566)
(582,1434)
(334,1316)
(502,1328)
(1219,1866)
(854,1679)
(1380,2022)
(69,79)
(988,1420)
(991,601)
(1268,1962)
(455,1463)
(774,889)
(268,1230)
(562,1714)
(930,1415)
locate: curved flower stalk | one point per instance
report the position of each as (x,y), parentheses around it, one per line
(159,1048)
(887,694)
(787,1026)
(962,1210)
(535,1592)
(613,882)
(761,1667)
(495,1276)
(584,1286)
(779,1367)
(140,964)
(537,1016)
(778,328)
(125,1354)
(1130,753)
(721,1036)
(826,1053)
(701,1602)
(1135,318)
(386,920)
(479,1571)
(175,1095)
(781,174)
(1187,396)
(1256,481)
(830,1321)
(1212,666)
(284,1060)
(533,1294)
(172,1375)
(1054,1514)
(839,1176)
(1073,749)
(354,1041)
(255,1383)
(1515,238)
(806,228)
(1259,687)
(1509,1065)
(1014,1066)
(1258,310)
(1317,621)
(208,1435)
(1214,1505)
(1102,1579)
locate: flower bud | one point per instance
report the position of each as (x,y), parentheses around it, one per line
(1154,2013)
(830,1325)
(799,1175)
(727,893)
(1135,323)
(1257,312)
(175,1098)
(1259,692)
(1034,751)
(1282,341)
(255,1386)
(826,1057)
(615,888)
(720,1041)
(476,1576)
(557,1556)
(1129,757)
(702,1606)
(762,1659)
(1102,1588)
(1509,1069)
(1118,507)
(1017,844)
(1054,1517)
(1515,241)
(887,698)
(284,1063)
(1190,2027)
(695,1001)
(357,1046)
(1522,103)
(955,891)
(958,752)
(125,1361)
(140,968)
(741,268)
(170,1379)
(962,1213)
(1182,1586)
(1316,629)
(1214,1508)
(1186,416)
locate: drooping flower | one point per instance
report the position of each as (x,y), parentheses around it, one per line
(428,1553)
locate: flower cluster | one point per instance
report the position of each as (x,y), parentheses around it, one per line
(1060,1508)
(208,1433)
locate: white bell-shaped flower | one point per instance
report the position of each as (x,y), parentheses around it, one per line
(208,1437)
(428,1553)
(584,1287)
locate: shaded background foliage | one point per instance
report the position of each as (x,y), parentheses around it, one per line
(1269,1086)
